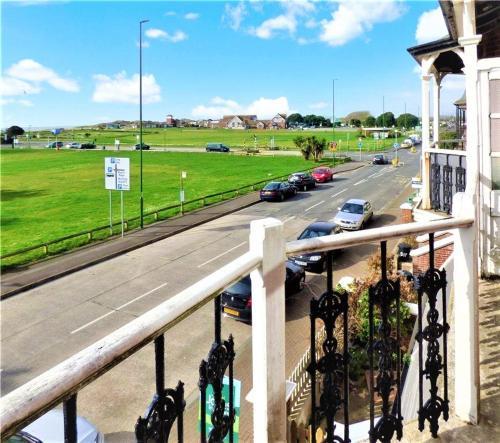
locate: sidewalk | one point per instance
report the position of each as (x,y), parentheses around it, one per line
(30,276)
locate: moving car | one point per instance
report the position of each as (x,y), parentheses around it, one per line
(322,175)
(408,143)
(55,145)
(145,147)
(354,214)
(302,180)
(49,428)
(74,145)
(315,261)
(237,300)
(380,159)
(87,146)
(216,147)
(277,191)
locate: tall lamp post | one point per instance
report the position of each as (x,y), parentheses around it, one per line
(140,116)
(333,107)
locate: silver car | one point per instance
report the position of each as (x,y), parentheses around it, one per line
(354,214)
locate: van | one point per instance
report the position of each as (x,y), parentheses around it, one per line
(217,147)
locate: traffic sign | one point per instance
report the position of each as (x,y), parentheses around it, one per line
(360,145)
(396,145)
(333,146)
(117,173)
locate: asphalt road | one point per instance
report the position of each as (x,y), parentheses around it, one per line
(45,325)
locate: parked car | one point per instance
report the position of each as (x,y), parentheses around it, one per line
(145,147)
(315,261)
(354,214)
(302,180)
(380,159)
(237,300)
(49,428)
(277,191)
(216,147)
(407,143)
(87,146)
(322,175)
(415,138)
(55,145)
(74,145)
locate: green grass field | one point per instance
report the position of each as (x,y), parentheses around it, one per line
(48,194)
(194,137)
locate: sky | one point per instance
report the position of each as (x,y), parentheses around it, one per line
(69,63)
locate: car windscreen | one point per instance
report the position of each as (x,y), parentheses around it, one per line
(311,233)
(320,171)
(272,186)
(352,208)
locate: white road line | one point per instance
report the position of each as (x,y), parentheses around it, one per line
(313,206)
(220,255)
(338,193)
(361,181)
(86,325)
(288,219)
(370,176)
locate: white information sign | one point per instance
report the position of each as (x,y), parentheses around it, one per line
(117,173)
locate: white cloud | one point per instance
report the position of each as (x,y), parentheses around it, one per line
(352,19)
(192,16)
(120,89)
(262,107)
(145,44)
(170,13)
(318,105)
(10,86)
(454,82)
(32,71)
(7,101)
(431,26)
(282,22)
(234,15)
(177,36)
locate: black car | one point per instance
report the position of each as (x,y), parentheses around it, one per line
(145,147)
(380,159)
(315,261)
(302,180)
(216,147)
(277,191)
(87,146)
(237,300)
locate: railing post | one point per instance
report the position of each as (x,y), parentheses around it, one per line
(268,331)
(465,282)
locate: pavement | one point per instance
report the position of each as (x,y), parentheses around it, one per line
(31,276)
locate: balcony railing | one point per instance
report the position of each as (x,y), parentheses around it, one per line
(265,262)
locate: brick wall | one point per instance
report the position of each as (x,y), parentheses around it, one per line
(421,263)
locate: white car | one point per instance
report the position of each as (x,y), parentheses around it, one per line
(74,145)
(354,214)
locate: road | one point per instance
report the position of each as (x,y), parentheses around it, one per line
(45,325)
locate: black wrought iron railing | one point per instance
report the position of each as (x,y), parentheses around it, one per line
(447,178)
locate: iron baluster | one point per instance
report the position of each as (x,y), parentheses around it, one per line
(166,407)
(431,283)
(385,294)
(460,176)
(69,414)
(333,365)
(212,370)
(435,182)
(447,186)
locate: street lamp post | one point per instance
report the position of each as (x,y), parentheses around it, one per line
(140,116)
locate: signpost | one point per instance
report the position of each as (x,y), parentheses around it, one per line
(56,132)
(360,145)
(116,178)
(181,193)
(210,404)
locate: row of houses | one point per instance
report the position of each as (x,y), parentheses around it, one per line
(231,122)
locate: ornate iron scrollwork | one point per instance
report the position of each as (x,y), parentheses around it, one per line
(433,281)
(333,365)
(386,295)
(212,370)
(447,187)
(435,183)
(460,176)
(161,414)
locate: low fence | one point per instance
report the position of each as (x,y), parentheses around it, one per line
(72,241)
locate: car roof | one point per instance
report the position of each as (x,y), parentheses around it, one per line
(321,226)
(357,201)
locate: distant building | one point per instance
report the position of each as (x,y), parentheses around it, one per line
(238,122)
(278,121)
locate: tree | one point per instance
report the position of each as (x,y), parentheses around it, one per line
(370,122)
(355,122)
(294,119)
(407,121)
(317,146)
(386,120)
(14,131)
(305,149)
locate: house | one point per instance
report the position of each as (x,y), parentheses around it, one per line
(278,121)
(170,121)
(238,121)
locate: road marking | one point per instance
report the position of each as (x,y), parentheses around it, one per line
(338,193)
(288,219)
(313,206)
(220,255)
(361,181)
(370,176)
(90,323)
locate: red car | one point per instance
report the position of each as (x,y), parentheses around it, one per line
(322,175)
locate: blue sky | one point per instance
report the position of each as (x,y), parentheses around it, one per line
(75,62)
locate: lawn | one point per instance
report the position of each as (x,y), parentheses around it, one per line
(47,194)
(195,137)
